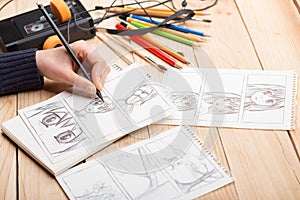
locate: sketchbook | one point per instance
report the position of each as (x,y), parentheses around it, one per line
(171,165)
(231,98)
(66,129)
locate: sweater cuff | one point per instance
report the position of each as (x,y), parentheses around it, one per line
(19,72)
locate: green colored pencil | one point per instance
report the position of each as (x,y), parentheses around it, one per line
(164,34)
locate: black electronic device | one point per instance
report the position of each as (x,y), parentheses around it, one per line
(31,29)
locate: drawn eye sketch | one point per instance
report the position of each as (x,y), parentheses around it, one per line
(140,95)
(184,101)
(55,127)
(262,97)
(222,103)
(96,106)
(259,97)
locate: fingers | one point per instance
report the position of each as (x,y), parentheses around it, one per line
(99,73)
(82,86)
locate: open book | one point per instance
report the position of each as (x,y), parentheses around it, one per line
(66,129)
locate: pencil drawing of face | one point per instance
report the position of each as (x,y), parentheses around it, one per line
(139,96)
(56,127)
(184,100)
(222,103)
(261,97)
(96,106)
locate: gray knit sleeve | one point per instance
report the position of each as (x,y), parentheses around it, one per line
(19,72)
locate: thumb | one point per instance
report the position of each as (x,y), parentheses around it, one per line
(83,86)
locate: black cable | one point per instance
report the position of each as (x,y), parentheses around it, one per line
(5,4)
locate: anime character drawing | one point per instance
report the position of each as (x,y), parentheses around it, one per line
(183,101)
(258,97)
(56,128)
(261,97)
(140,95)
(95,106)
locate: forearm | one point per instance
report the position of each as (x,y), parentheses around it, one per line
(19,72)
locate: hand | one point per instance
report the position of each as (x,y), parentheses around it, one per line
(56,64)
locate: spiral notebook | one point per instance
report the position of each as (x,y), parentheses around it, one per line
(174,164)
(65,129)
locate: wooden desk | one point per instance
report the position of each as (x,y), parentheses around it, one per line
(246,34)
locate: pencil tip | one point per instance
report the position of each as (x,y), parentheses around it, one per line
(99,95)
(207,20)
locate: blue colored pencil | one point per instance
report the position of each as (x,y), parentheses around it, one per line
(174,27)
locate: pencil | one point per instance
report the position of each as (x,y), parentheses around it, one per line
(160,46)
(130,48)
(199,13)
(165,34)
(67,46)
(146,45)
(152,13)
(174,27)
(174,32)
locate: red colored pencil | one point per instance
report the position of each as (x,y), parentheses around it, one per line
(148,46)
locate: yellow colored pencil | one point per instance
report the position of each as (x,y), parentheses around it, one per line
(164,10)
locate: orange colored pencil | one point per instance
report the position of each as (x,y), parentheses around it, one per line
(162,47)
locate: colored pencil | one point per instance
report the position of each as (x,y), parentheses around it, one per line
(161,46)
(174,27)
(171,31)
(157,52)
(165,34)
(199,13)
(152,13)
(130,48)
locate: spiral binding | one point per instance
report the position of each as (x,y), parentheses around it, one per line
(294,102)
(196,138)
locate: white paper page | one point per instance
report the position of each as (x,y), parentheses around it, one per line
(17,131)
(171,165)
(232,98)
(69,125)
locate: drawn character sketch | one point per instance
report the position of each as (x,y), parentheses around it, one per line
(183,101)
(56,128)
(262,97)
(190,169)
(259,97)
(141,94)
(95,106)
(222,103)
